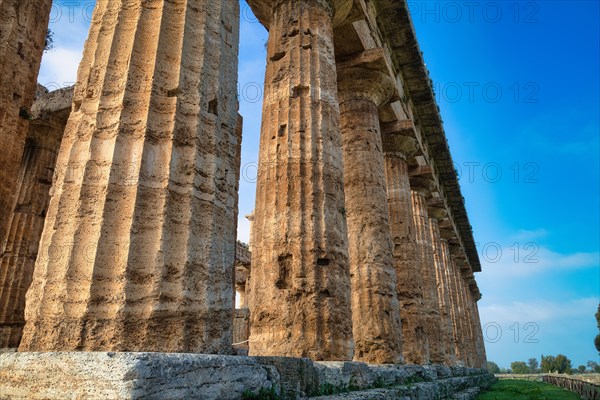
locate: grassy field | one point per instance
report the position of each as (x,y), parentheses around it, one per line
(525,390)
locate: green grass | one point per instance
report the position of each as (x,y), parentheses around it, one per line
(525,390)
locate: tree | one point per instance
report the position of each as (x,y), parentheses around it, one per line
(493,367)
(533,365)
(581,369)
(560,364)
(597,339)
(519,367)
(593,366)
(548,363)
(563,364)
(49,43)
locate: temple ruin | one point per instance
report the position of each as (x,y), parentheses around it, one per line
(119,196)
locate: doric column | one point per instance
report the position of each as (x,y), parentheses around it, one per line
(466,316)
(433,328)
(464,334)
(27,218)
(441,266)
(23,27)
(482,360)
(398,144)
(456,310)
(138,248)
(377,328)
(300,283)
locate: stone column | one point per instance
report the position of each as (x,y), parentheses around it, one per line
(138,248)
(433,327)
(472,292)
(482,360)
(23,27)
(375,308)
(409,284)
(300,284)
(27,219)
(457,311)
(467,321)
(441,266)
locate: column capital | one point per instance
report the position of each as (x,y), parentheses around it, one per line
(399,139)
(337,9)
(436,208)
(422,184)
(365,83)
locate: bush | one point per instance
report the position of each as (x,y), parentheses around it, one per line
(519,367)
(560,364)
(493,367)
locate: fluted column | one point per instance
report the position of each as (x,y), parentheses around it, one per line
(433,326)
(457,312)
(138,249)
(482,360)
(473,326)
(441,267)
(377,328)
(26,224)
(23,27)
(409,284)
(300,283)
(467,323)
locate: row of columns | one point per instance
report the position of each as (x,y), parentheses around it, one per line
(138,245)
(307,298)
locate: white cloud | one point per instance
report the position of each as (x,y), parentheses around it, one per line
(523,255)
(538,311)
(519,330)
(59,67)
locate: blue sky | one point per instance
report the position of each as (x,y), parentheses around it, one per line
(518,87)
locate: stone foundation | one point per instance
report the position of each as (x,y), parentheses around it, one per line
(85,375)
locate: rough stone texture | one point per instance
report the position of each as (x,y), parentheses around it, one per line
(241,330)
(456,313)
(138,248)
(50,113)
(441,266)
(480,343)
(242,272)
(300,285)
(409,283)
(118,376)
(377,328)
(430,294)
(23,26)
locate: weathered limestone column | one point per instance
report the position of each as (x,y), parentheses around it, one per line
(409,285)
(482,361)
(433,325)
(300,283)
(23,27)
(138,248)
(450,296)
(377,328)
(26,222)
(441,267)
(456,311)
(467,322)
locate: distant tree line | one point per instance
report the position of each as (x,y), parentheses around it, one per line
(549,364)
